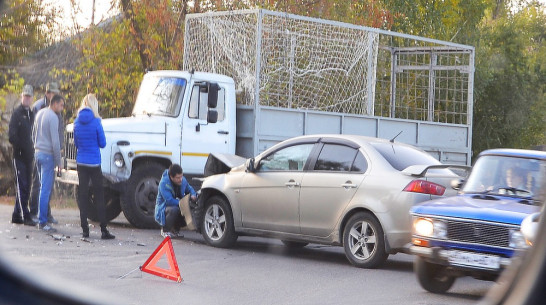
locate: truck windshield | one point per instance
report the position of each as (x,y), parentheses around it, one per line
(503,175)
(159,95)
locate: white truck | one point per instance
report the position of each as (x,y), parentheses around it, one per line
(288,75)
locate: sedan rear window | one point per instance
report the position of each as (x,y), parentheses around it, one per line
(340,158)
(400,157)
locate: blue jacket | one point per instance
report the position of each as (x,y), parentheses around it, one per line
(88,137)
(165,196)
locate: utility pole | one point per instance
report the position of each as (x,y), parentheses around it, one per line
(93,14)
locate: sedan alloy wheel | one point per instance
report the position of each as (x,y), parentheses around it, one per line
(218,227)
(363,241)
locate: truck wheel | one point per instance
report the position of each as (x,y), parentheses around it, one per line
(432,277)
(363,241)
(217,227)
(138,203)
(111,202)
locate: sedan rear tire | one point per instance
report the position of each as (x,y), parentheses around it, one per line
(217,227)
(432,277)
(363,241)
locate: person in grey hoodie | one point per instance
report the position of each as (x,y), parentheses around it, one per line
(89,139)
(47,152)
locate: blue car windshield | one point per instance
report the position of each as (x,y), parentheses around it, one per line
(160,95)
(503,175)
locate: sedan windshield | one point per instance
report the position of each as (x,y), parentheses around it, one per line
(160,95)
(502,175)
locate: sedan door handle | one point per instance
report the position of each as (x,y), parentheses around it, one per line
(222,132)
(292,183)
(347,185)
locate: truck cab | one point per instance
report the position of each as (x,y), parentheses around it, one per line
(179,117)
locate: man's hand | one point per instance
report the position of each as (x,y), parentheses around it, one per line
(193,197)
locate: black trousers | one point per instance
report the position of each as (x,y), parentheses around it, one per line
(23,172)
(173,219)
(93,175)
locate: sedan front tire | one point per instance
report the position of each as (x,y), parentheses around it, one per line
(217,226)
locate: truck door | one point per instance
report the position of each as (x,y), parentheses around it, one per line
(200,138)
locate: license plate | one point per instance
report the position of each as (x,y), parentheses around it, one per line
(483,261)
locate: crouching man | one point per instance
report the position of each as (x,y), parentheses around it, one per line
(172,187)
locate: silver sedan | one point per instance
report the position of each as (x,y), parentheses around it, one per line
(351,191)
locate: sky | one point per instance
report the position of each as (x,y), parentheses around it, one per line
(83,15)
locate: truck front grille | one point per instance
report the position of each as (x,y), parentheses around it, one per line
(69,150)
(483,233)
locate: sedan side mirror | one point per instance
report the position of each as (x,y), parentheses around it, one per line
(250,165)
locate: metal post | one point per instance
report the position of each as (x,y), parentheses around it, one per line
(394,58)
(259,26)
(431,85)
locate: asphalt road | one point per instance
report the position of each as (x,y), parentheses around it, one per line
(255,271)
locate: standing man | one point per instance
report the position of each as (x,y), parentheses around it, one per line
(20,128)
(51,89)
(48,154)
(172,187)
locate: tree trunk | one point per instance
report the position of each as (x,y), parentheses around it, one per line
(127,8)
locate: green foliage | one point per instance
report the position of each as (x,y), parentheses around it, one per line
(450,20)
(21,30)
(510,100)
(13,86)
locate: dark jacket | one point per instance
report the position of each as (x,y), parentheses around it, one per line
(88,137)
(20,133)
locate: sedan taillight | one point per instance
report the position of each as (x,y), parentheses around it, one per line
(425,187)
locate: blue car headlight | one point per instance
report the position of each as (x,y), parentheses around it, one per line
(517,240)
(428,227)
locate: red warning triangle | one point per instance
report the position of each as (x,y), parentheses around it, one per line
(165,248)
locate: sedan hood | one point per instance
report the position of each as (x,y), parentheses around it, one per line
(222,163)
(478,207)
(140,124)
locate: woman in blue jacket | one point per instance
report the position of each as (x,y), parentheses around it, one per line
(89,139)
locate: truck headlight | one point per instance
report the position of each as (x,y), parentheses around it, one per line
(429,228)
(118,160)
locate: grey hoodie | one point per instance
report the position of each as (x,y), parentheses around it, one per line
(46,134)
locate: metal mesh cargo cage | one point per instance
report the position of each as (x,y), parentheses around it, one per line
(294,62)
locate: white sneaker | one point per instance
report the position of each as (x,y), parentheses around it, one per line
(165,234)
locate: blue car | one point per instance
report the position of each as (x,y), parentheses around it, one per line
(477,232)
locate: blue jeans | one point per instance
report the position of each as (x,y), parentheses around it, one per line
(46,171)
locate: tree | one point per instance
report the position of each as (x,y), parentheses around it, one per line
(510,100)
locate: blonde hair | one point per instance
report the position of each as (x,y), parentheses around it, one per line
(90,101)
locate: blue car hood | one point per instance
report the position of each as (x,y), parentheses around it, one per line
(471,206)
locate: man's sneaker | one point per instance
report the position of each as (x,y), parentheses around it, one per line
(52,220)
(165,233)
(47,228)
(177,234)
(30,222)
(107,235)
(17,220)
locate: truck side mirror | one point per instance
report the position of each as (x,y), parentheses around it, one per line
(213,95)
(212,116)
